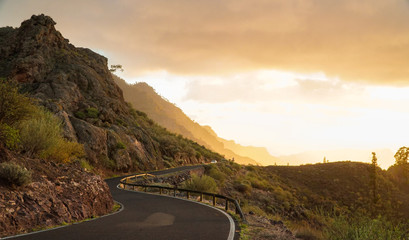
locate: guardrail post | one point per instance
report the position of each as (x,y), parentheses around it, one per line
(227,205)
(160,191)
(133,187)
(187,194)
(201,197)
(145,188)
(174,192)
(214,200)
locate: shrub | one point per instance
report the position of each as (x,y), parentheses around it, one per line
(14,107)
(40,133)
(120,145)
(242,187)
(217,174)
(42,136)
(108,163)
(9,136)
(63,151)
(85,165)
(92,112)
(203,183)
(88,113)
(80,115)
(14,174)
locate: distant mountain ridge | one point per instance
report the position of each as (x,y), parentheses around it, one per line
(385,156)
(144,98)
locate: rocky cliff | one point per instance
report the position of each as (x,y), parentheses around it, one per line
(76,84)
(57,194)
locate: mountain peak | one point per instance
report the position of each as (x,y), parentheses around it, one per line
(41,20)
(40,30)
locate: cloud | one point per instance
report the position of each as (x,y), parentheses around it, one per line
(364,40)
(269,86)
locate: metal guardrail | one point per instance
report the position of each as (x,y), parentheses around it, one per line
(214,197)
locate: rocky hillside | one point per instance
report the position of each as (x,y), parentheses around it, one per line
(339,200)
(144,98)
(57,194)
(53,81)
(76,84)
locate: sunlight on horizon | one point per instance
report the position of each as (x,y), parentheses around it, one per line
(290,113)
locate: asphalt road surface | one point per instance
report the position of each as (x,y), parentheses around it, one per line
(147,216)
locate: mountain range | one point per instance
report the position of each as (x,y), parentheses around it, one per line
(144,98)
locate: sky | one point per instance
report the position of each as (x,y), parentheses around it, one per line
(288,75)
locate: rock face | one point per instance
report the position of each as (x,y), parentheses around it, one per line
(57,194)
(76,84)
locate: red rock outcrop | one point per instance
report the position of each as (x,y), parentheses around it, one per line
(58,193)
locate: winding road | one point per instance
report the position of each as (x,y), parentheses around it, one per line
(147,216)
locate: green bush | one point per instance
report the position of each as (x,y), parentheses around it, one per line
(108,163)
(92,112)
(14,174)
(203,183)
(40,133)
(215,173)
(41,136)
(243,187)
(88,113)
(63,151)
(120,145)
(9,136)
(80,115)
(85,165)
(14,107)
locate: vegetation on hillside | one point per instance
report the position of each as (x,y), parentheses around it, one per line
(145,99)
(340,200)
(32,130)
(14,174)
(202,183)
(173,146)
(36,132)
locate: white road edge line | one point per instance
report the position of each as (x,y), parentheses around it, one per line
(51,229)
(231,221)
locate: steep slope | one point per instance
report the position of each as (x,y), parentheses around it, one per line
(312,199)
(144,98)
(76,85)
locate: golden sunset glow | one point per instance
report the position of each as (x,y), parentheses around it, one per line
(326,77)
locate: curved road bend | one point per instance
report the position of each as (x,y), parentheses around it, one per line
(147,216)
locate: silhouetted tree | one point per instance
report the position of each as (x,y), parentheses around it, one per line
(374,177)
(116,67)
(402,156)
